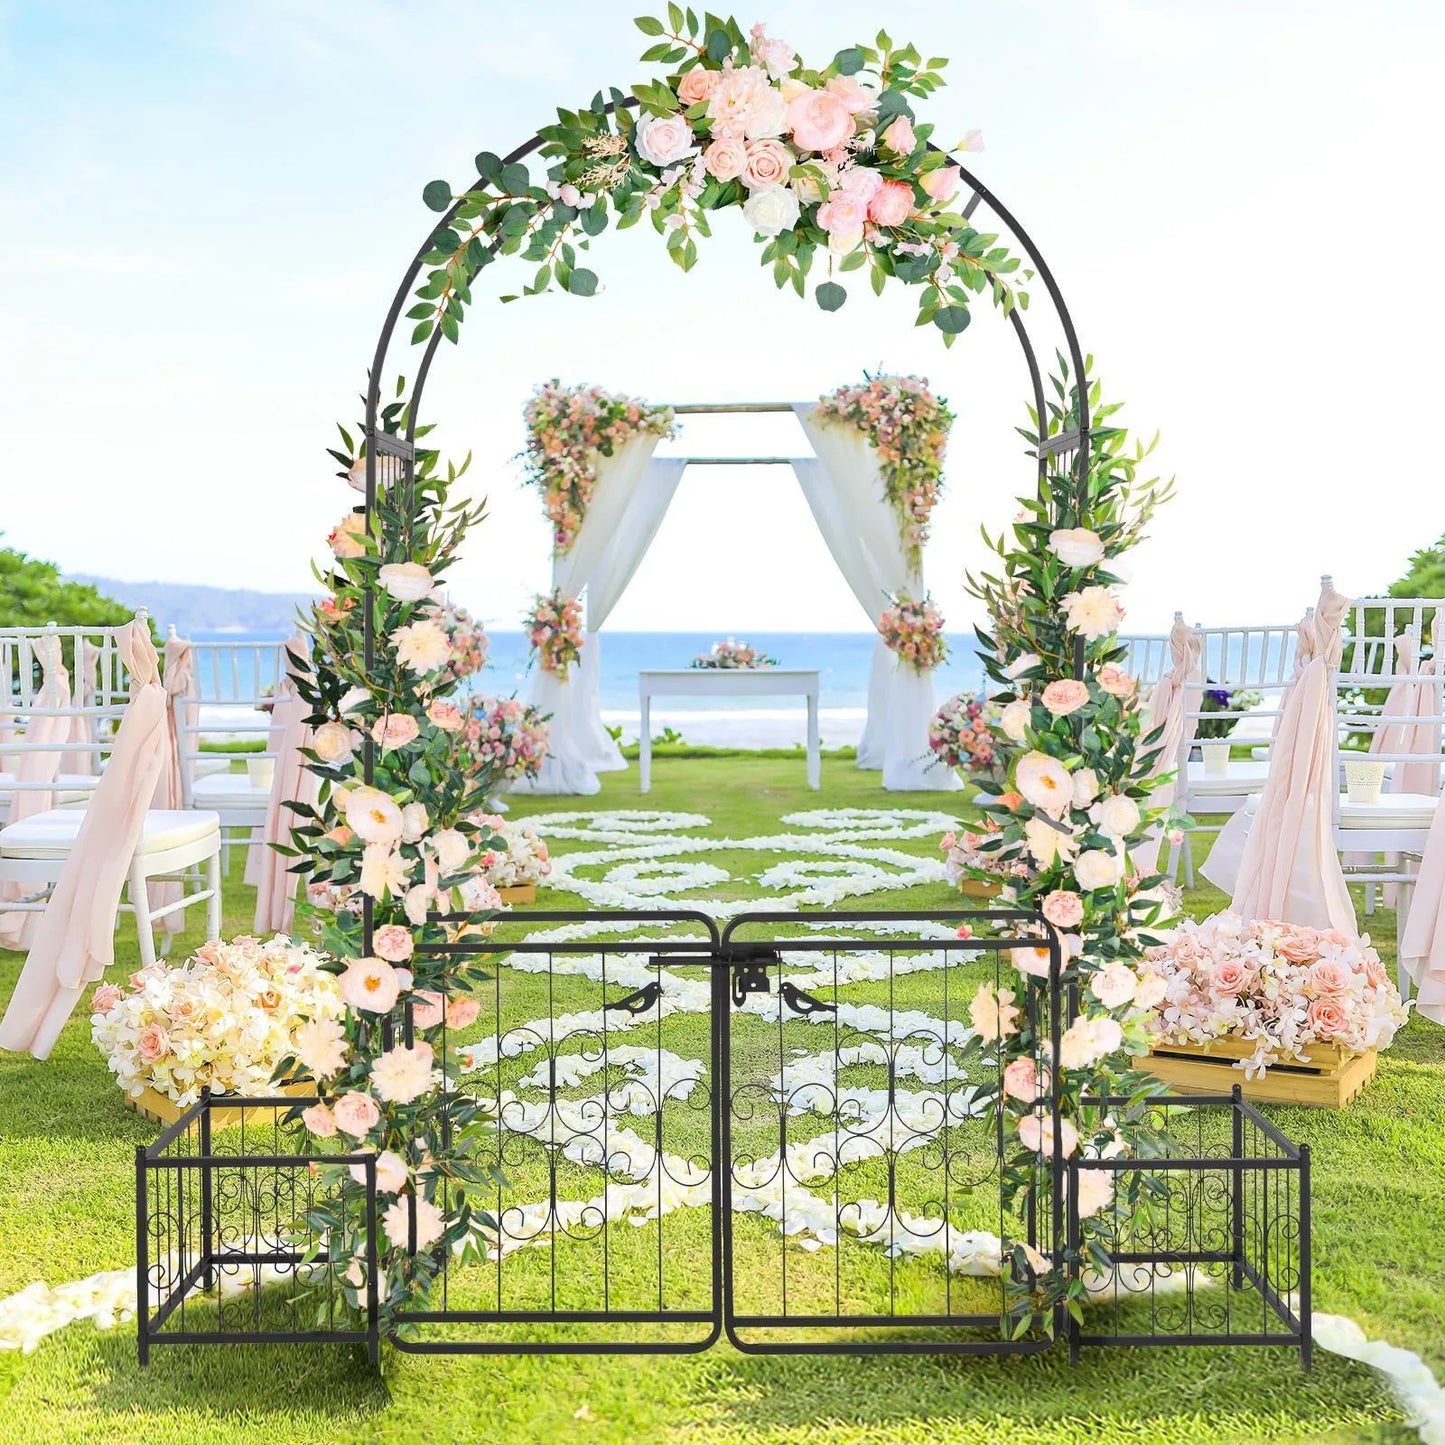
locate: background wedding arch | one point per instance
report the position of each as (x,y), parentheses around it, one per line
(1029,1089)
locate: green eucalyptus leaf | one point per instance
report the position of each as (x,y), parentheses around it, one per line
(830,295)
(582,282)
(437,195)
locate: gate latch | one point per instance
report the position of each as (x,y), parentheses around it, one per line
(750,964)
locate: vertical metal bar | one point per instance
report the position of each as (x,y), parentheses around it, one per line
(373,1265)
(142,1261)
(1236,1188)
(207,1200)
(1306,1263)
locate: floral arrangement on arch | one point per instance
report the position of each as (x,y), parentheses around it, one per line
(1280,986)
(731,654)
(468,642)
(554,628)
(907,427)
(568,428)
(823,163)
(913,631)
(1059,835)
(223,1020)
(390,854)
(960,735)
(519,858)
(505,739)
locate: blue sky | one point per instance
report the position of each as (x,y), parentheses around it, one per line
(208,205)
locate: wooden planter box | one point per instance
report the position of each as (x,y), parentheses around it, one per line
(166,1111)
(1329,1077)
(526,893)
(979,888)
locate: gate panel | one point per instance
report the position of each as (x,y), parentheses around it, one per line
(596,1056)
(863,1209)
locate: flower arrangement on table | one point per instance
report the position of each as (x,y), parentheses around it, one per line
(505,739)
(520,857)
(1217,699)
(554,628)
(1278,986)
(469,644)
(960,735)
(914,632)
(568,428)
(731,654)
(224,1019)
(907,427)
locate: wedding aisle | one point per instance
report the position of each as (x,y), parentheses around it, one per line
(67,1212)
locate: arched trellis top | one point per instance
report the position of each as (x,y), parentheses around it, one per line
(1075,439)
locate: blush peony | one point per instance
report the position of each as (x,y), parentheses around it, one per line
(356,1114)
(898,136)
(393,943)
(1036,1132)
(1086,1041)
(1117,815)
(391,1173)
(1115,985)
(370,985)
(993,1015)
(1064,909)
(319,1121)
(333,742)
(1023,1081)
(818,120)
(1045,782)
(1097,869)
(1115,681)
(1093,612)
(445,715)
(401,1075)
(1064,696)
(892,203)
(395,730)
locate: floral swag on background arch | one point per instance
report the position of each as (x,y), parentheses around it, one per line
(827,162)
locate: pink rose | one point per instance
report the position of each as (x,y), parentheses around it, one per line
(428,1010)
(940,184)
(899,137)
(319,1121)
(1331,977)
(892,204)
(462,1012)
(355,1114)
(860,181)
(663,139)
(768,163)
(1328,1018)
(1299,944)
(726,159)
(1228,977)
(153,1044)
(105,998)
(393,943)
(1065,695)
(445,715)
(696,86)
(395,730)
(842,214)
(1021,1081)
(1064,909)
(853,96)
(818,120)
(1115,681)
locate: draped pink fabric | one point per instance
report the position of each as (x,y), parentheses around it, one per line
(74,940)
(292,782)
(39,763)
(1418,701)
(82,728)
(1175,695)
(1422,948)
(1290,869)
(179,681)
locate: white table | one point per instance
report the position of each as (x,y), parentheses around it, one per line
(728,682)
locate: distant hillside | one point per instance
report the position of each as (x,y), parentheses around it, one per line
(195,608)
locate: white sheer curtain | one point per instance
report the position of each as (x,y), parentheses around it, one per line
(845,494)
(607,549)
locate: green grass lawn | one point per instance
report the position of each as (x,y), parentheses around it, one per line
(66,1209)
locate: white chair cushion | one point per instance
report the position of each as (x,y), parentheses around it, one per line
(229,790)
(1238,778)
(1391,811)
(52,834)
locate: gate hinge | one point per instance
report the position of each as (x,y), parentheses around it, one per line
(750,963)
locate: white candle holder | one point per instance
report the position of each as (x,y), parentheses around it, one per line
(261,772)
(1216,757)
(1363,780)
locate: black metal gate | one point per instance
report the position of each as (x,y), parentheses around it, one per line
(781,1133)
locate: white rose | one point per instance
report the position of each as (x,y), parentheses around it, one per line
(1086,787)
(1021,664)
(352,699)
(1115,985)
(1013,721)
(414,822)
(663,139)
(406,581)
(1076,546)
(771,210)
(452,849)
(1116,815)
(1096,869)
(333,742)
(769,116)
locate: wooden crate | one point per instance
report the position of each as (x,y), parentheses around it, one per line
(166,1111)
(1329,1077)
(526,893)
(980,888)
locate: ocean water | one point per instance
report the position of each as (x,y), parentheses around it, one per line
(840,658)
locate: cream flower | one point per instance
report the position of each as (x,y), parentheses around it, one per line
(1096,1191)
(771,209)
(421,647)
(1093,612)
(391,1173)
(383,871)
(333,742)
(397,1222)
(356,1114)
(453,849)
(1047,845)
(993,1015)
(1036,1132)
(401,1075)
(1045,782)
(1086,1041)
(321,1047)
(1097,869)
(1114,985)
(1086,787)
(1116,815)
(1076,546)
(1013,721)
(406,581)
(373,815)
(370,985)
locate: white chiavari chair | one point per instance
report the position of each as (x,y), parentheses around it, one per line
(1146,656)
